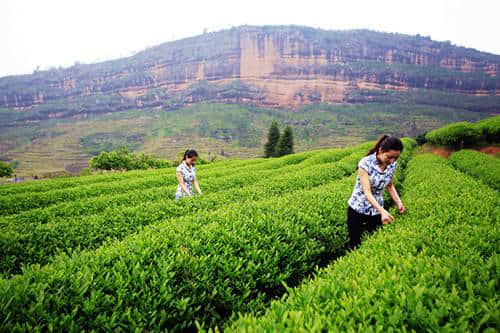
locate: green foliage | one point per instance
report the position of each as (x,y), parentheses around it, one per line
(84,106)
(138,260)
(197,268)
(272,140)
(457,135)
(314,126)
(285,143)
(434,269)
(15,164)
(464,133)
(203,90)
(407,154)
(479,165)
(74,223)
(419,76)
(202,267)
(6,169)
(123,159)
(490,128)
(199,160)
(104,177)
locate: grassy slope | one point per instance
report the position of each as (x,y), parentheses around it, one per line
(66,144)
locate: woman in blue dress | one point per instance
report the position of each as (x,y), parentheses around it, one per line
(186,175)
(366,211)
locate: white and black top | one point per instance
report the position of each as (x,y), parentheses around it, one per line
(378,180)
(189,175)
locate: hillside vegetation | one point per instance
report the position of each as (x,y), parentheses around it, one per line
(219,92)
(117,252)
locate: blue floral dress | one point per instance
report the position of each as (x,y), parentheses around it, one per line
(189,175)
(378,180)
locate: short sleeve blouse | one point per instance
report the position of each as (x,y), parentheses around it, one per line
(378,180)
(189,175)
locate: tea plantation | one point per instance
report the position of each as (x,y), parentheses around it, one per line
(264,249)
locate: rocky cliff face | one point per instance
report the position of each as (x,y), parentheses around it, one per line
(265,66)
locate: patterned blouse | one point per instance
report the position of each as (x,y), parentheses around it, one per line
(378,181)
(189,175)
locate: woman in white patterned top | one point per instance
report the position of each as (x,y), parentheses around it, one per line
(186,175)
(366,211)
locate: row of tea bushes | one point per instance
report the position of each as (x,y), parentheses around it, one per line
(465,133)
(479,165)
(489,128)
(203,267)
(435,270)
(204,170)
(30,243)
(199,268)
(15,203)
(71,182)
(97,203)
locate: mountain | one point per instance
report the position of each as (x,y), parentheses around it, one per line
(219,92)
(269,66)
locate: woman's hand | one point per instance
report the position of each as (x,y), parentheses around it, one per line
(391,189)
(386,217)
(401,207)
(197,186)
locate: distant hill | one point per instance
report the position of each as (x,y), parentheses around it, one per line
(218,92)
(268,66)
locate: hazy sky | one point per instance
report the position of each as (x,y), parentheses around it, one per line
(49,33)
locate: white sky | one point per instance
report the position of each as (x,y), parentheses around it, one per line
(59,32)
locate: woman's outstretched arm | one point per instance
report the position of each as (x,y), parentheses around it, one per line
(391,189)
(197,186)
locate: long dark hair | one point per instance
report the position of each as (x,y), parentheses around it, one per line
(189,153)
(387,142)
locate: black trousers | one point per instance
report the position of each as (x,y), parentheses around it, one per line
(358,223)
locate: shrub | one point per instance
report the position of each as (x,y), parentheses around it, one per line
(479,165)
(457,135)
(123,159)
(489,128)
(6,169)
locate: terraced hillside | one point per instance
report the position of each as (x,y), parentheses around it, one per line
(220,91)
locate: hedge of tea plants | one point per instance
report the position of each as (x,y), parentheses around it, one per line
(166,265)
(435,269)
(479,165)
(26,242)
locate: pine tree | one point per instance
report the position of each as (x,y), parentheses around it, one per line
(272,140)
(285,144)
